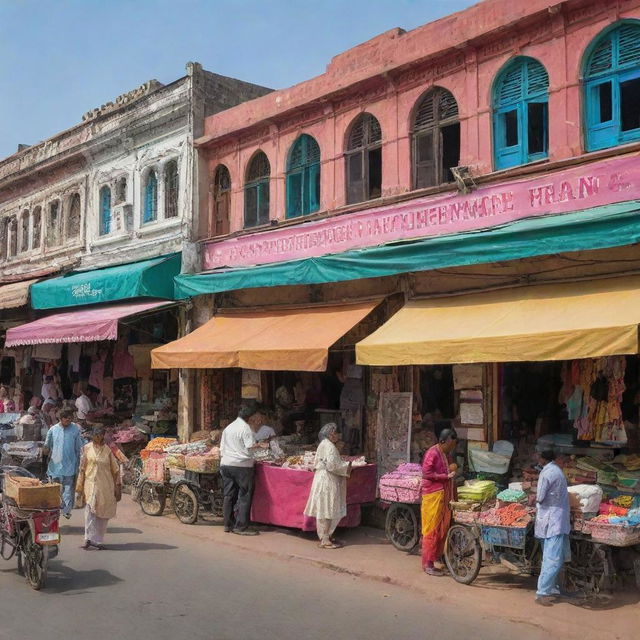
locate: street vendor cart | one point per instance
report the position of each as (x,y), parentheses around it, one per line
(281,493)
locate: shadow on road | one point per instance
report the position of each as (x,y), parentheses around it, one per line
(64,579)
(70,530)
(138,546)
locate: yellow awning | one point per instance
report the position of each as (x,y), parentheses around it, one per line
(15,294)
(283,340)
(534,323)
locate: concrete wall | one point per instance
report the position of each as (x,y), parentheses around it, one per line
(387,77)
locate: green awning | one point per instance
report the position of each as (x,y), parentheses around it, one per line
(598,228)
(145,279)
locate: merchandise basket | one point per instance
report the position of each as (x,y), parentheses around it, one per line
(615,535)
(513,537)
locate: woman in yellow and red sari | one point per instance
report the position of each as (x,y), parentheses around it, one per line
(438,472)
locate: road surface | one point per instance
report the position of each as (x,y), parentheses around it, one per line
(153,584)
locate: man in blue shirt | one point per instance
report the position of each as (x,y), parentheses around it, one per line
(63,445)
(552,527)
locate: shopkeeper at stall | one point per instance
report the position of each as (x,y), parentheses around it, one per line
(86,403)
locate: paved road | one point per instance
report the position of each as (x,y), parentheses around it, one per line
(148,587)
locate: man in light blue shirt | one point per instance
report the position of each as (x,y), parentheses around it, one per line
(552,527)
(63,445)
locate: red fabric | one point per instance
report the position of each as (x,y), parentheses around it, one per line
(280,496)
(435,471)
(89,325)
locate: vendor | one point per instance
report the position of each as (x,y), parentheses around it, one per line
(86,403)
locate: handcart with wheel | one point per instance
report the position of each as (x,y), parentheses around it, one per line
(592,568)
(196,493)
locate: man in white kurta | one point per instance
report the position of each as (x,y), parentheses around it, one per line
(327,501)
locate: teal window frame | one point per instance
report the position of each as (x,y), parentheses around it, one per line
(303,177)
(604,134)
(150,198)
(256,191)
(105,211)
(506,154)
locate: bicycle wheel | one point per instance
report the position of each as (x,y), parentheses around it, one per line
(36,562)
(463,554)
(401,526)
(185,503)
(152,498)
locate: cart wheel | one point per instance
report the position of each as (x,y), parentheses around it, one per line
(36,561)
(591,568)
(217,501)
(402,526)
(152,498)
(185,503)
(463,554)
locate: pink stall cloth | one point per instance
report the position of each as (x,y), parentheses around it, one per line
(88,325)
(280,496)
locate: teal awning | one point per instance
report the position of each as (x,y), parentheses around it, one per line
(145,279)
(599,228)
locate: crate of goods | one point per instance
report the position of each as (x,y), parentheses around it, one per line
(616,535)
(30,493)
(175,460)
(154,467)
(514,537)
(202,463)
(399,486)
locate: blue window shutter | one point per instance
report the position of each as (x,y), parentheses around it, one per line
(313,182)
(151,198)
(303,171)
(295,194)
(105,211)
(522,83)
(615,59)
(263,202)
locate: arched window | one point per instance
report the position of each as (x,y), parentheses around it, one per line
(36,228)
(74,217)
(520,113)
(256,191)
(303,177)
(221,202)
(150,198)
(24,231)
(105,210)
(12,240)
(171,189)
(436,139)
(364,159)
(54,224)
(612,88)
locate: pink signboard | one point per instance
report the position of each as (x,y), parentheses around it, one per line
(593,185)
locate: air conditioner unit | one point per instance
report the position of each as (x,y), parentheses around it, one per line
(122,218)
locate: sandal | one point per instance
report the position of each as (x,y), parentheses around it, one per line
(87,545)
(331,545)
(432,571)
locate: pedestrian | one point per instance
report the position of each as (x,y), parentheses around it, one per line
(438,472)
(63,445)
(237,467)
(100,486)
(327,501)
(552,528)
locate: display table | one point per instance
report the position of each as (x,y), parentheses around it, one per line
(280,496)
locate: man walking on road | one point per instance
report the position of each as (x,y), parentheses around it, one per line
(552,527)
(64,445)
(236,468)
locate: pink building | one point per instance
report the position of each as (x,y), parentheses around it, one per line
(495,148)
(503,88)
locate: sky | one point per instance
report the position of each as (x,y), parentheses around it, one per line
(61,58)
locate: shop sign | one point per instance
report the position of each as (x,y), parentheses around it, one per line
(584,187)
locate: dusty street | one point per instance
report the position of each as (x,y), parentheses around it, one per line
(159,584)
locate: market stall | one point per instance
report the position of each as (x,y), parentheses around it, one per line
(281,493)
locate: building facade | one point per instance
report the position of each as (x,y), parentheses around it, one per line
(494,148)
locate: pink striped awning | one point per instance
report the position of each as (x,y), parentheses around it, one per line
(88,325)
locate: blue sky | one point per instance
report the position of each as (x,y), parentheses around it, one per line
(61,58)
